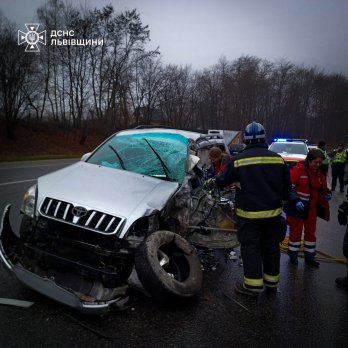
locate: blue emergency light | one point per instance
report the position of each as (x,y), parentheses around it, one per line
(285,140)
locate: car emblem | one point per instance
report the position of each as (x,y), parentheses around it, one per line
(79,211)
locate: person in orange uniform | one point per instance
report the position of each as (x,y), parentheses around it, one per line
(309,182)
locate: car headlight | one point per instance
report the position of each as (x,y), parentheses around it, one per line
(144,226)
(29,201)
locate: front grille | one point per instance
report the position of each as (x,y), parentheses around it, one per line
(93,220)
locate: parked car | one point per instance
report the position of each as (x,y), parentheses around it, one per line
(291,150)
(312,146)
(131,213)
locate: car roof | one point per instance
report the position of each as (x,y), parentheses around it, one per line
(187,134)
(289,142)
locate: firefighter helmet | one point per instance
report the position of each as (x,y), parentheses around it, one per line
(253,131)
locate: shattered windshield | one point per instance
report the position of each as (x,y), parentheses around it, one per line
(160,155)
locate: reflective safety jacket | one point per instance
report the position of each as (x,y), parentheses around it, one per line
(326,157)
(339,157)
(263,181)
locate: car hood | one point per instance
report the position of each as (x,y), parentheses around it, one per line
(293,157)
(118,192)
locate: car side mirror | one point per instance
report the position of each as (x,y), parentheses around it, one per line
(85,156)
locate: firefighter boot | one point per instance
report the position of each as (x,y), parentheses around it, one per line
(312,263)
(271,289)
(293,257)
(240,288)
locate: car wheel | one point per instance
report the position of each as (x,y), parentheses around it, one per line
(168,267)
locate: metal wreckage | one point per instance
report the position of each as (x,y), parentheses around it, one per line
(131,213)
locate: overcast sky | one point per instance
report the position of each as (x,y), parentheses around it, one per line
(199,32)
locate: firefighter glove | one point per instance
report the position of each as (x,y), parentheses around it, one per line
(208,184)
(342,218)
(300,206)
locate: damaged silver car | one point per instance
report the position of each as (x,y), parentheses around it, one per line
(131,213)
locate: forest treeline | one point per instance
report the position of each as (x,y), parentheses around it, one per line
(122,83)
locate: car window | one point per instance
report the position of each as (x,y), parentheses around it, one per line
(235,148)
(161,155)
(300,149)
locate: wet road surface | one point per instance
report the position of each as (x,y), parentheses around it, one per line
(308,311)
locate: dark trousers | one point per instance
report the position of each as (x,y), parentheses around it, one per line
(337,173)
(259,239)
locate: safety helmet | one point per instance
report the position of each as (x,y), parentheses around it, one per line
(254,130)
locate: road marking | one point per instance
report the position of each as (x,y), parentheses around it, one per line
(40,165)
(16,182)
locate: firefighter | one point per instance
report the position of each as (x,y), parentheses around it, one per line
(263,182)
(338,162)
(310,186)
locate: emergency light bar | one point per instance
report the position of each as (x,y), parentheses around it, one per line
(283,140)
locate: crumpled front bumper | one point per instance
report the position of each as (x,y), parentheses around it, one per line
(47,286)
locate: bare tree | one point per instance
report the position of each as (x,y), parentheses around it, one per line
(17,77)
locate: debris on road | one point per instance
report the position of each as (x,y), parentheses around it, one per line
(14,302)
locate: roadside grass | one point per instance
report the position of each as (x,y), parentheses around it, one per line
(31,144)
(15,158)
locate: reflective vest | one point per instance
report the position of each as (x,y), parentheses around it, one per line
(326,157)
(263,182)
(339,157)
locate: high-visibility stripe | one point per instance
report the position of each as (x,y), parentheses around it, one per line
(309,243)
(309,250)
(293,248)
(271,279)
(303,176)
(304,198)
(294,243)
(257,160)
(305,194)
(253,282)
(263,214)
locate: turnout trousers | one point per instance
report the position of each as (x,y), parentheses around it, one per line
(308,226)
(259,239)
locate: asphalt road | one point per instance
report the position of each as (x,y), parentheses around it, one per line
(308,310)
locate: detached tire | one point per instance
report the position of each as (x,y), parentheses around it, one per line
(168,267)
